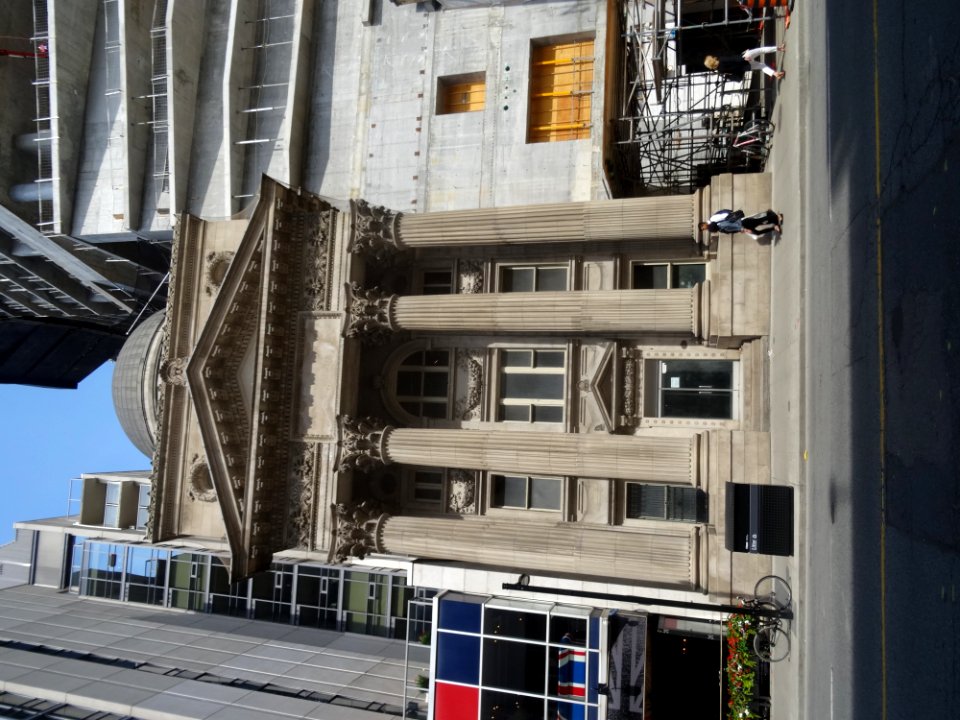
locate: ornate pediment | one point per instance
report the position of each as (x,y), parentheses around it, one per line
(241,372)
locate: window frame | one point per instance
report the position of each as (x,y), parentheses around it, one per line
(696,496)
(466,84)
(538,268)
(491,493)
(501,402)
(423,369)
(422,284)
(670,265)
(548,102)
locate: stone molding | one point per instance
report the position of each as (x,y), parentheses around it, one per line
(370,314)
(357,530)
(362,442)
(375,230)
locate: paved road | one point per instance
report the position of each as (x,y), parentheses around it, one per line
(881,381)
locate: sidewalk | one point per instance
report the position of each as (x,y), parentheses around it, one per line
(787,165)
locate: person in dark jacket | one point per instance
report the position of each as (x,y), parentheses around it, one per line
(733,221)
(736,66)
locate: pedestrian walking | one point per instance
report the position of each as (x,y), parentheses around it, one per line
(733,221)
(736,66)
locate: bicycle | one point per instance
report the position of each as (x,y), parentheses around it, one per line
(769,606)
(754,138)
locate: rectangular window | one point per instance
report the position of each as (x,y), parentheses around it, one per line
(461,93)
(561,88)
(111,505)
(524,492)
(428,486)
(698,389)
(533,278)
(436,282)
(662,276)
(423,382)
(143,507)
(665,502)
(532,385)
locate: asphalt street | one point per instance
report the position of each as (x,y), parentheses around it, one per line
(881,377)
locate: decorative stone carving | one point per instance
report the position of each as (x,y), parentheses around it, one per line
(174,371)
(357,530)
(316,280)
(462,492)
(468,407)
(300,495)
(361,443)
(630,418)
(201,484)
(374,230)
(370,311)
(217,265)
(470,276)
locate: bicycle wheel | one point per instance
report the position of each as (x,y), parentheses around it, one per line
(773,589)
(771,643)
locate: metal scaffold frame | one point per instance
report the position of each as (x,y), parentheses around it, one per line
(678,124)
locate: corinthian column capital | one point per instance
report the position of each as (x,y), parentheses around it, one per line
(374,230)
(361,443)
(357,530)
(370,312)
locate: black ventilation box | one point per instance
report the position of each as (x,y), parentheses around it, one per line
(759,519)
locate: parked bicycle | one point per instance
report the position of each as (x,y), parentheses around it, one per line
(770,606)
(754,138)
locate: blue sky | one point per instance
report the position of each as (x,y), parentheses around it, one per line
(50,436)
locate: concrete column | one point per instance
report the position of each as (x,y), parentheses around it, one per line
(653,459)
(378,231)
(582,312)
(662,556)
(654,218)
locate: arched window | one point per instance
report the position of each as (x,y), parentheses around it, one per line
(423,384)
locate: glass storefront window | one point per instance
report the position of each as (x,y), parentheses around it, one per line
(514,665)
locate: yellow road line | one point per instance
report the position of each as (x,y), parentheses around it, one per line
(881,361)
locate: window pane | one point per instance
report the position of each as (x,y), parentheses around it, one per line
(515,666)
(549,358)
(411,407)
(646,501)
(568,630)
(533,386)
(686,276)
(515,413)
(414,359)
(144,499)
(649,277)
(515,624)
(113,493)
(697,374)
(507,706)
(548,413)
(408,382)
(510,491)
(436,277)
(545,493)
(436,358)
(111,515)
(433,410)
(708,404)
(517,358)
(551,279)
(516,279)
(435,384)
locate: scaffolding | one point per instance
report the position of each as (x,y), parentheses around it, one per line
(677,123)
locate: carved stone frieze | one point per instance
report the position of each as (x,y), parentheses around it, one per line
(468,407)
(217,264)
(200,483)
(301,489)
(357,530)
(630,417)
(374,230)
(462,492)
(361,443)
(370,312)
(470,276)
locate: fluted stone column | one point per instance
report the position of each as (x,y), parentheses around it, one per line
(378,230)
(657,459)
(580,312)
(665,555)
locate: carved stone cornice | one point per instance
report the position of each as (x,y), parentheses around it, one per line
(370,312)
(362,443)
(375,230)
(357,531)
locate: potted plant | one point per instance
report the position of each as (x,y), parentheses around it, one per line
(424,638)
(741,666)
(422,682)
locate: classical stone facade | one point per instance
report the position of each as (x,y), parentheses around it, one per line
(557,392)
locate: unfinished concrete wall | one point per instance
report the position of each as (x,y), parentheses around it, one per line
(186,42)
(135,20)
